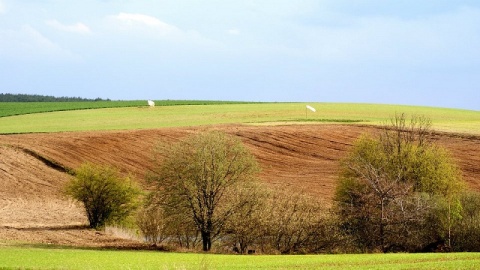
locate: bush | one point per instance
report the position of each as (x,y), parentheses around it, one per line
(105,195)
(291,222)
(244,228)
(152,225)
(466,233)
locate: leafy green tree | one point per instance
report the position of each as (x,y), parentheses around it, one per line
(390,183)
(106,196)
(197,176)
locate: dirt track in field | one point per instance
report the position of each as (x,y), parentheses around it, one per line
(301,157)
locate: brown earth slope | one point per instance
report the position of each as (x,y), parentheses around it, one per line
(303,158)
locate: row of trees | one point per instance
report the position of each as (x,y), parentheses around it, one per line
(6,97)
(398,191)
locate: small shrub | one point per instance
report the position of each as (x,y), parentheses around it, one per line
(106,196)
(152,224)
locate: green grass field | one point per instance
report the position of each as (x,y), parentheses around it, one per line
(20,108)
(45,258)
(143,117)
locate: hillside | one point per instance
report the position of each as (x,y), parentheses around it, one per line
(299,157)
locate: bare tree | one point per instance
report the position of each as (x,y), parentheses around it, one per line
(196,176)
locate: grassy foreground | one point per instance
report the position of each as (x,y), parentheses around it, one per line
(256,113)
(42,258)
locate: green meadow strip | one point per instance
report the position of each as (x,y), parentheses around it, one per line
(42,258)
(20,108)
(144,117)
(325,120)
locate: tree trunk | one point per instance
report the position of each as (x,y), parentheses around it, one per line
(382,233)
(206,241)
(243,247)
(449,224)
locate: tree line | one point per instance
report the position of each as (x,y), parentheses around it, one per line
(7,97)
(397,192)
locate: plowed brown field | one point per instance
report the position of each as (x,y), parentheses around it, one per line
(301,157)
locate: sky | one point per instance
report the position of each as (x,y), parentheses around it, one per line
(364,51)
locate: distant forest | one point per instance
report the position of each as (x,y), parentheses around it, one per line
(39,98)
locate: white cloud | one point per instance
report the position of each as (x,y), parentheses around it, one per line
(79,28)
(283,9)
(2,7)
(133,20)
(425,41)
(38,39)
(233,32)
(139,27)
(28,43)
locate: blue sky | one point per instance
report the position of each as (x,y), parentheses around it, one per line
(371,51)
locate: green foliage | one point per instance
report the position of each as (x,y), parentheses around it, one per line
(466,230)
(198,174)
(436,172)
(105,195)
